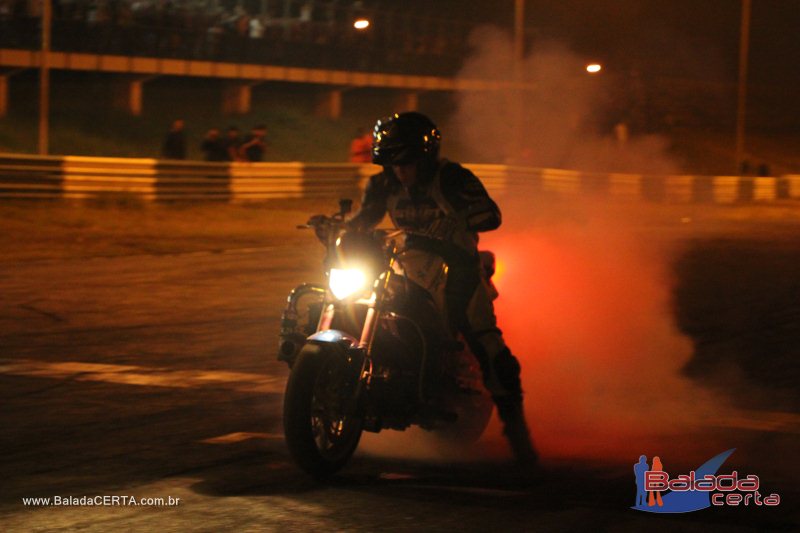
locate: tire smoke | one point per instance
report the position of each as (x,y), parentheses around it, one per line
(586,305)
(585,300)
(563,118)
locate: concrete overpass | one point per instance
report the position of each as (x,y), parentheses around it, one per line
(134,72)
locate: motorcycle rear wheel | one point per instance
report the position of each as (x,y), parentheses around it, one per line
(468,399)
(473,414)
(320,433)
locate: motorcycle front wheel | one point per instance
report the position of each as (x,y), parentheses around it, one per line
(321,430)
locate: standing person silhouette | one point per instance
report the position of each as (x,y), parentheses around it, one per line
(639,470)
(254,145)
(232,142)
(174,145)
(655,496)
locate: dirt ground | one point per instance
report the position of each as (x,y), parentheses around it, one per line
(736,289)
(34,230)
(138,343)
(61,230)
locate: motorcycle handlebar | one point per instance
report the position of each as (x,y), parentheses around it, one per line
(317,221)
(326,223)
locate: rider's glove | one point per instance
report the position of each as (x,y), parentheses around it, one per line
(321,227)
(316,220)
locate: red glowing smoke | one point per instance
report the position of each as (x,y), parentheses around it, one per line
(585,306)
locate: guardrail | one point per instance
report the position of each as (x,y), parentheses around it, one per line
(23,176)
(26,176)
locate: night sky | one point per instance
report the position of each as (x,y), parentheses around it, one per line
(694,39)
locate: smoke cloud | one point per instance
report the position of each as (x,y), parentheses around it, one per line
(586,306)
(568,119)
(585,300)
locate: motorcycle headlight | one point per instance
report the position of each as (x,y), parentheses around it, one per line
(345,282)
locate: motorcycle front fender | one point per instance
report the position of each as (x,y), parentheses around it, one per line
(338,344)
(334,337)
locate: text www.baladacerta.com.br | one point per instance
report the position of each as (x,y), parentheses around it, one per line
(100,501)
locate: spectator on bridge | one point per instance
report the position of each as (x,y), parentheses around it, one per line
(213,146)
(255,42)
(174,146)
(5,23)
(256,30)
(239,21)
(254,144)
(306,12)
(232,143)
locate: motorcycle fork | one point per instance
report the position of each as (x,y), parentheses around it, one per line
(371,321)
(364,348)
(326,317)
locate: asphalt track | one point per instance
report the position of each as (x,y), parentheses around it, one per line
(153,375)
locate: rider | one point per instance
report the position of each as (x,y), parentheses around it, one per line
(444,206)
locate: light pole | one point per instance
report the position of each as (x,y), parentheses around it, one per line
(519,34)
(518,99)
(44,80)
(741,107)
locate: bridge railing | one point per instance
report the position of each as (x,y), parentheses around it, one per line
(407,42)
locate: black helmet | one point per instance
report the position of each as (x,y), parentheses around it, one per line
(403,138)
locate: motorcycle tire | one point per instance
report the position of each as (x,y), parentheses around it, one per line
(473,415)
(320,435)
(470,402)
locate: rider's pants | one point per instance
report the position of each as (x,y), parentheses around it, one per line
(471,311)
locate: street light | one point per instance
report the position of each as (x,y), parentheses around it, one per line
(44,81)
(361,24)
(594,68)
(741,104)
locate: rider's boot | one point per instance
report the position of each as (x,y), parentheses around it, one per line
(510,411)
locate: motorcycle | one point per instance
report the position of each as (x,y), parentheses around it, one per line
(372,350)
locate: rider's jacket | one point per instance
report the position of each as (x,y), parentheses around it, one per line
(444,210)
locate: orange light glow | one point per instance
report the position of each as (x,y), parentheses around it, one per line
(594,68)
(361,24)
(586,313)
(499,269)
